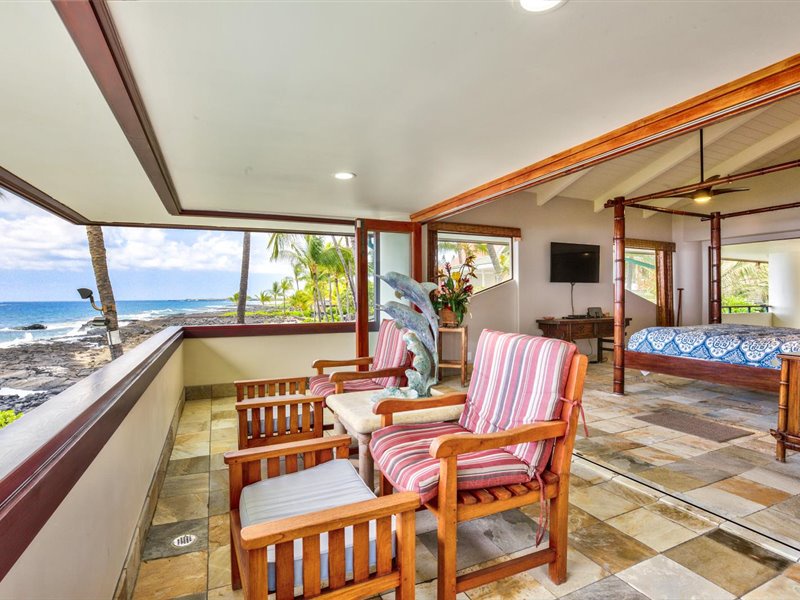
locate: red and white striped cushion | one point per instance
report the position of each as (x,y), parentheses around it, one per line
(401,452)
(390,352)
(321,385)
(517,379)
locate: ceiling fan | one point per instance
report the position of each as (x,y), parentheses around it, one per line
(704,194)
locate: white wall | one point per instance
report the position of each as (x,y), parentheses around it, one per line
(80,551)
(224,360)
(560,220)
(784,288)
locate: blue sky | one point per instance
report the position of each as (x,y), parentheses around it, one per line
(43,257)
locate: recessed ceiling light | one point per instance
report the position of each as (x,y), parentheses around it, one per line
(540,6)
(344,175)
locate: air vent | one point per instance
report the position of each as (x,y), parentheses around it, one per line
(184,540)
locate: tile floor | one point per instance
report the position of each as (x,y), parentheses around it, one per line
(628,538)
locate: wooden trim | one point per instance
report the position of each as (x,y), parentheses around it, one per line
(90,25)
(756,211)
(213,227)
(669,211)
(416,252)
(755,378)
(512,232)
(433,254)
(759,88)
(225,331)
(715,272)
(32,492)
(224,214)
(619,298)
(23,189)
(641,244)
(362,296)
(389,226)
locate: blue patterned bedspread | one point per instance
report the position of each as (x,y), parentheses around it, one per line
(749,345)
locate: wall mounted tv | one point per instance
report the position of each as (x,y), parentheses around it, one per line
(574,263)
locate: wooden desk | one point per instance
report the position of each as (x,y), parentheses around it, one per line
(461,363)
(580,329)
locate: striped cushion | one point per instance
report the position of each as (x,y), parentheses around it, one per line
(391,351)
(401,452)
(320,385)
(517,379)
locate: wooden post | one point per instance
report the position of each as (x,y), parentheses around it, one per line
(715,275)
(362,275)
(619,297)
(416,252)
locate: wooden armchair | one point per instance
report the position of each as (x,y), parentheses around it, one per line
(320,529)
(512,447)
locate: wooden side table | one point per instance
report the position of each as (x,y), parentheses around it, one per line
(461,363)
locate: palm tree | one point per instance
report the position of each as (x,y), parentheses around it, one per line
(97,252)
(264,296)
(286,285)
(242,299)
(276,289)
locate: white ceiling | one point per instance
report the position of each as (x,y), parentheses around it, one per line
(760,250)
(255,105)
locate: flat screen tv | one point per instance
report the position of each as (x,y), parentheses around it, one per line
(574,263)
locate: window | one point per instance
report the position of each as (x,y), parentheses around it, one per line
(492,256)
(745,286)
(640,273)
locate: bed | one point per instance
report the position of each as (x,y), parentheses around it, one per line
(739,355)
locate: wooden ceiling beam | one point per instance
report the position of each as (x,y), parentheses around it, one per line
(551,189)
(757,89)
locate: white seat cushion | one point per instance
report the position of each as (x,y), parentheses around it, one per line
(331,484)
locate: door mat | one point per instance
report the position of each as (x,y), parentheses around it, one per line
(704,428)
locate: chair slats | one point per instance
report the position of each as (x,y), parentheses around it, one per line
(518,489)
(483,496)
(311,566)
(284,570)
(293,421)
(500,492)
(360,552)
(336,565)
(383,546)
(465,497)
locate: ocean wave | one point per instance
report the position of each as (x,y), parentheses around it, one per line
(7,391)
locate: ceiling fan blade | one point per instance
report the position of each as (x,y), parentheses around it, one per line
(712,178)
(728,191)
(682,197)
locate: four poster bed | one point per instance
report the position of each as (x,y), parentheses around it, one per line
(744,357)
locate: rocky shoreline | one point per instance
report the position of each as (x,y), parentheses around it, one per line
(40,370)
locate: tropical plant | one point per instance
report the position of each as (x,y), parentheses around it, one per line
(744,282)
(241,304)
(264,296)
(97,253)
(276,290)
(285,285)
(8,416)
(455,288)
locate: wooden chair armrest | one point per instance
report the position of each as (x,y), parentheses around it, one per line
(278,450)
(389,406)
(351,375)
(461,443)
(292,528)
(271,401)
(274,380)
(321,364)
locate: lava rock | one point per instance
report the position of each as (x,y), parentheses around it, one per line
(31,327)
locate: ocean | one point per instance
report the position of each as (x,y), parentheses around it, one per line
(67,319)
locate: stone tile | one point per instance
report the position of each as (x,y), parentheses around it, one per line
(200,596)
(473,546)
(225,593)
(159,539)
(623,462)
(522,586)
(697,470)
(225,434)
(218,480)
(723,503)
(613,425)
(188,466)
(425,563)
(651,434)
(219,413)
(580,572)
(773,479)
(423,591)
(197,392)
(218,446)
(193,426)
(219,531)
(190,449)
(178,485)
(222,390)
(218,502)
(750,490)
(576,482)
(791,507)
(775,523)
(631,490)
(677,448)
(780,587)
(217,461)
(181,508)
(768,543)
(610,548)
(601,503)
(171,577)
(652,455)
(224,424)
(610,588)
(650,528)
(425,521)
(793,572)
(610,444)
(660,577)
(219,566)
(511,530)
(731,562)
(671,480)
(732,459)
(589,471)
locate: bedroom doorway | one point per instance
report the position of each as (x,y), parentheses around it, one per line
(649,275)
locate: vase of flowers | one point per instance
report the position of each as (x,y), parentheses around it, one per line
(451,298)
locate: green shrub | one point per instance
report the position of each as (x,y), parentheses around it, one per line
(7,416)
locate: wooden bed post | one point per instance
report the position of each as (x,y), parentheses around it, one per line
(619,296)
(715,272)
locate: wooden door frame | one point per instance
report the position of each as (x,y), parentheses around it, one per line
(363,228)
(665,304)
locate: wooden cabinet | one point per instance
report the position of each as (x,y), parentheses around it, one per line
(580,329)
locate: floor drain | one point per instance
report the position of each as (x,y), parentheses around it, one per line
(184,540)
